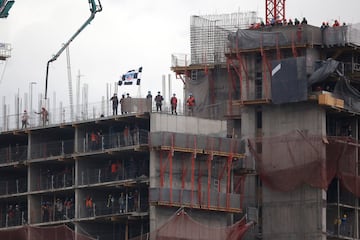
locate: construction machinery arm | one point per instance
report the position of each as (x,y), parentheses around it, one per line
(93,9)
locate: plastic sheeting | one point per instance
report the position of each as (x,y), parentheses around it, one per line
(182,227)
(324,71)
(275,37)
(343,89)
(348,93)
(288,82)
(248,39)
(297,158)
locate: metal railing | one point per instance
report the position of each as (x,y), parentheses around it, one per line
(50,213)
(54,181)
(51,149)
(115,206)
(15,218)
(88,112)
(13,186)
(116,140)
(205,142)
(213,200)
(102,175)
(13,153)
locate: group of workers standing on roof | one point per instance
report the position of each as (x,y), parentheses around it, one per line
(290,22)
(336,23)
(115,103)
(278,22)
(190,103)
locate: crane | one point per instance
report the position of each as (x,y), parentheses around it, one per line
(93,9)
(274,9)
(5,6)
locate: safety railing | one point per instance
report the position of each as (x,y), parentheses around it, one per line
(129,203)
(53,181)
(13,186)
(63,148)
(93,176)
(52,149)
(52,213)
(87,112)
(207,143)
(102,175)
(13,218)
(180,60)
(203,199)
(116,140)
(13,153)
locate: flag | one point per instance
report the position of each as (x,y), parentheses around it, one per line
(131,77)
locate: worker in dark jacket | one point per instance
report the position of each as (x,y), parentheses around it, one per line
(115,103)
(158,101)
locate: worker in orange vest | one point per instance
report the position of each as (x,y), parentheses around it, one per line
(89,206)
(93,139)
(190,102)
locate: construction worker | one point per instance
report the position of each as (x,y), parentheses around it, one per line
(24,119)
(122,203)
(190,102)
(114,171)
(158,101)
(89,206)
(93,140)
(149,101)
(44,115)
(115,103)
(173,102)
(122,104)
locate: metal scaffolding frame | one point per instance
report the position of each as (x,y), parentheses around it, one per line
(209,35)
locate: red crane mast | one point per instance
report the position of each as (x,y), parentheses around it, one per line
(274,9)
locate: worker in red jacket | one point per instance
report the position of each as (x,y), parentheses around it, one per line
(190,102)
(173,102)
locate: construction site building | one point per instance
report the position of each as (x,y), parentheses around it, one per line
(270,151)
(292,93)
(98,177)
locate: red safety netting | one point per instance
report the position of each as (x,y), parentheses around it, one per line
(182,227)
(288,161)
(61,232)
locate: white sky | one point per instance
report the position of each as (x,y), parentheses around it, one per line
(127,34)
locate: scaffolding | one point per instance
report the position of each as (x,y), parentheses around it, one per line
(209,34)
(5,51)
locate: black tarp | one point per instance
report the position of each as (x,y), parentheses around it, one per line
(324,71)
(348,93)
(289,82)
(247,39)
(343,89)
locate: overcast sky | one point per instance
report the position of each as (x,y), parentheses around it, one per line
(127,34)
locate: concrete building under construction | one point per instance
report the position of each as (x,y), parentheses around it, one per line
(271,151)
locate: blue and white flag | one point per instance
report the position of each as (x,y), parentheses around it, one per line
(131,77)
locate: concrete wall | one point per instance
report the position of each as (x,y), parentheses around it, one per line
(297,214)
(184,124)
